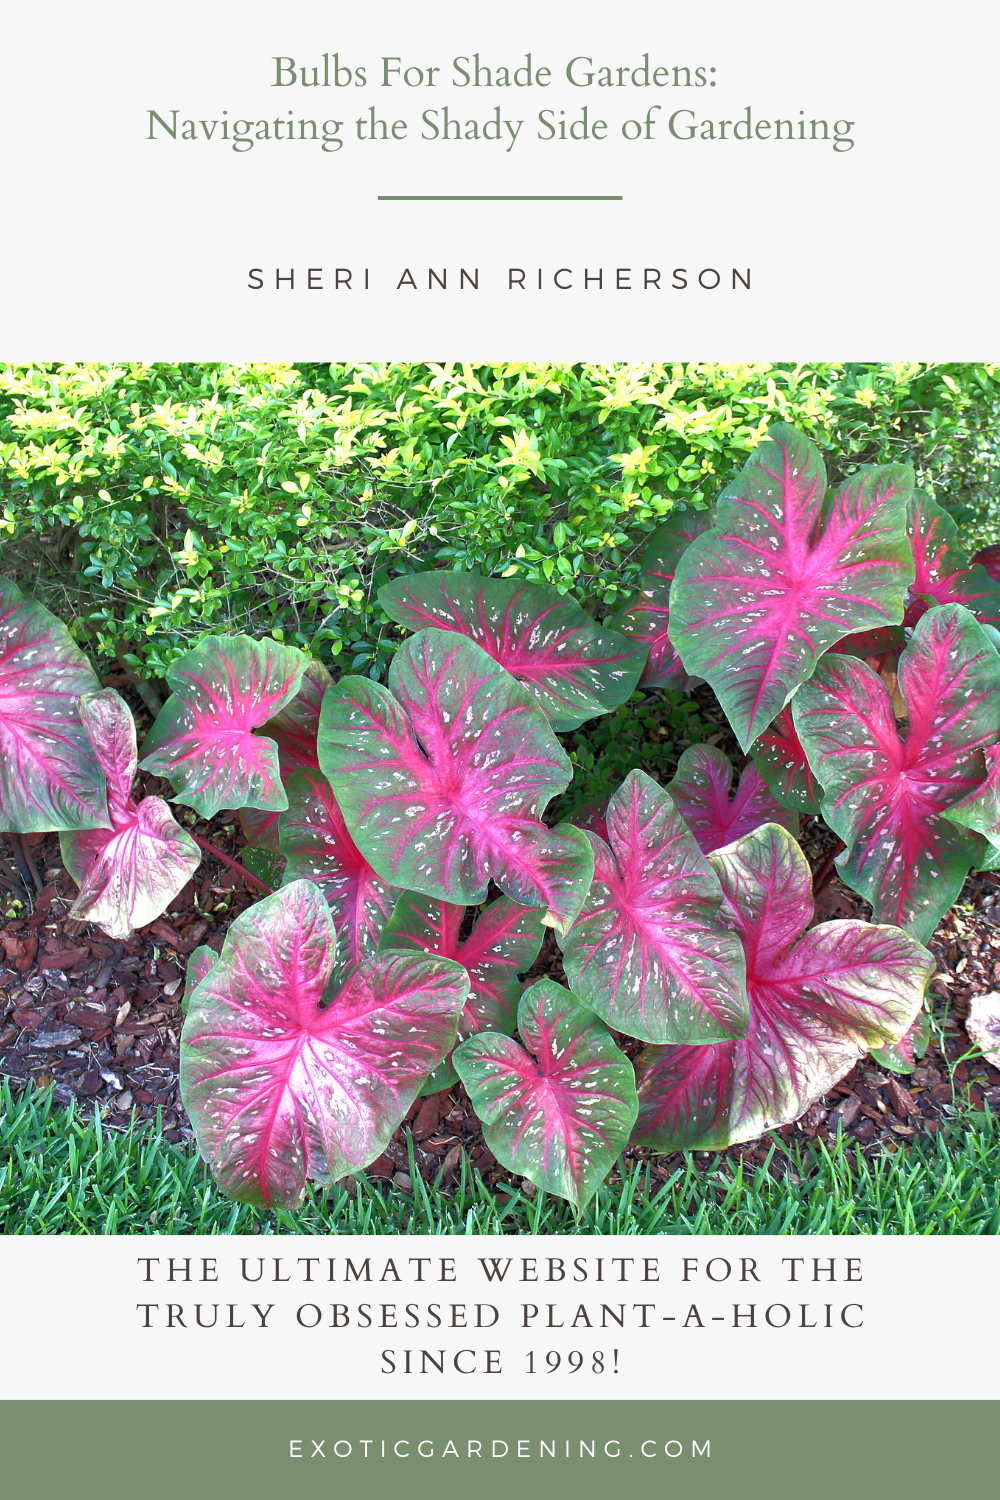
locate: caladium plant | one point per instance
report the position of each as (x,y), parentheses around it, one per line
(442,778)
(647,617)
(502,945)
(818,1000)
(648,952)
(129,873)
(317,847)
(387,961)
(294,729)
(781,760)
(785,573)
(287,1076)
(558,1109)
(944,574)
(203,740)
(701,789)
(887,794)
(571,667)
(49,776)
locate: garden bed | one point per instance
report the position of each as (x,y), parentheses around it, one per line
(99,1022)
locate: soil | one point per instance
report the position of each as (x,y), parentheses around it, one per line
(100,1022)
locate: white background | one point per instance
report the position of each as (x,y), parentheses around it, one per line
(116,246)
(929,1305)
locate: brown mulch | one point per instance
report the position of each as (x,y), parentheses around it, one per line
(100,1022)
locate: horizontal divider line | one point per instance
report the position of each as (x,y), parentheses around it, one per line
(500,198)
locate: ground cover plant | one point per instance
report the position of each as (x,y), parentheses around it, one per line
(420,856)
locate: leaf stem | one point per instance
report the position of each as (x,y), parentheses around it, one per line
(233,864)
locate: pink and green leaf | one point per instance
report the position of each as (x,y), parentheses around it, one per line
(648,952)
(592,816)
(503,944)
(204,740)
(781,760)
(888,797)
(443,776)
(819,1000)
(49,777)
(282,1088)
(128,874)
(647,618)
(571,668)
(559,1108)
(904,1055)
(979,810)
(201,962)
(944,574)
(318,847)
(786,573)
(701,793)
(294,731)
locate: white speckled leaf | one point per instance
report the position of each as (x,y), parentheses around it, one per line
(819,999)
(281,1089)
(128,874)
(646,618)
(786,573)
(504,942)
(701,790)
(443,776)
(781,760)
(294,730)
(944,574)
(558,1109)
(203,740)
(572,668)
(49,777)
(888,797)
(318,847)
(648,951)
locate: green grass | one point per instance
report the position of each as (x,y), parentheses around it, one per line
(61,1173)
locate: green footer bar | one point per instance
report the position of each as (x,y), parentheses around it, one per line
(703,1449)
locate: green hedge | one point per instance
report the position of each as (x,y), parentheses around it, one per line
(156,504)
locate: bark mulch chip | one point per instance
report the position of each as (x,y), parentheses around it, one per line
(100,1021)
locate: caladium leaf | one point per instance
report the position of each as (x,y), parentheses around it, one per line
(989,559)
(49,777)
(819,999)
(592,816)
(264,863)
(983,1024)
(503,944)
(647,617)
(980,809)
(203,740)
(887,797)
(781,760)
(701,795)
(572,668)
(943,572)
(294,731)
(872,642)
(648,951)
(202,961)
(558,1109)
(128,874)
(280,1088)
(904,1055)
(786,573)
(318,847)
(442,778)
